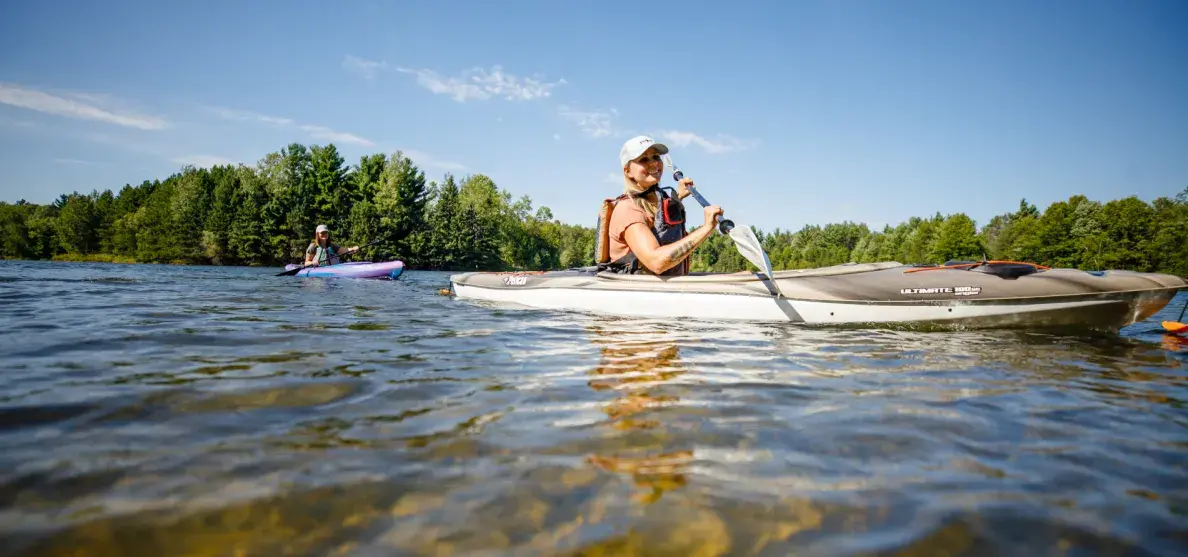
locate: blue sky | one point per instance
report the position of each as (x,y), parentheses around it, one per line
(785,114)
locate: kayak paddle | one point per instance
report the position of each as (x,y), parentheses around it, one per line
(1178,325)
(744,238)
(292,272)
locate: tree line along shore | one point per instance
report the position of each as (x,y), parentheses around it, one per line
(265,215)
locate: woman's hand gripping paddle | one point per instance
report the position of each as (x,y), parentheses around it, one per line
(744,238)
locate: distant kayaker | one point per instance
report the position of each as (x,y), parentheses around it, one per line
(322,251)
(646,230)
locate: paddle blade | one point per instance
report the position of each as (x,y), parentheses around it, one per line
(748,245)
(290,272)
(1175,327)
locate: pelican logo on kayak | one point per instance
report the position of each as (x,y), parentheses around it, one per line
(954,290)
(515,280)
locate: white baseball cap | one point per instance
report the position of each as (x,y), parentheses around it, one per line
(321,228)
(636,146)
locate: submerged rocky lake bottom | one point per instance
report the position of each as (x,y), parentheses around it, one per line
(168,410)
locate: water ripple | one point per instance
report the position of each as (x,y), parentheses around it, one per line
(161,410)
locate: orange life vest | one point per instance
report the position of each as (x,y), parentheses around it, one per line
(668,224)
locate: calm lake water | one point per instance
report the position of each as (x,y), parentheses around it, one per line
(162,410)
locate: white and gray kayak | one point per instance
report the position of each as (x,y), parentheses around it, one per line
(967,295)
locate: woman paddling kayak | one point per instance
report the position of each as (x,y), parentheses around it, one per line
(321,250)
(646,232)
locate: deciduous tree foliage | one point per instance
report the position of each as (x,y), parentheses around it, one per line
(1125,233)
(265,215)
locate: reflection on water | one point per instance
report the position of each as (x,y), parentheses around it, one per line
(635,365)
(153,410)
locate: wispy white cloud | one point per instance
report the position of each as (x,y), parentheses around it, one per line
(480,84)
(722,143)
(157,150)
(425,160)
(248,116)
(202,161)
(146,148)
(314,131)
(322,132)
(60,160)
(82,106)
(612,178)
(595,123)
(556,137)
(367,69)
(7,123)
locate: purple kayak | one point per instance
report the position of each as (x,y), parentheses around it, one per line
(362,269)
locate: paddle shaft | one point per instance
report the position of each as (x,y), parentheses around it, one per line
(725,225)
(758,259)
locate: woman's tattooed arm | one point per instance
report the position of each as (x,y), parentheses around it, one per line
(657,258)
(678,251)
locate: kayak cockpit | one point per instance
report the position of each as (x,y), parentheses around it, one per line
(747,276)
